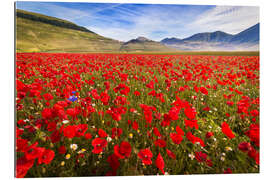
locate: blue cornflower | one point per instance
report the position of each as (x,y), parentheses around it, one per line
(73,92)
(72,98)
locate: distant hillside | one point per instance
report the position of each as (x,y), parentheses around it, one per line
(250,35)
(143,44)
(245,40)
(49,20)
(39,33)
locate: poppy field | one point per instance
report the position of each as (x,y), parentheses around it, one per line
(127,114)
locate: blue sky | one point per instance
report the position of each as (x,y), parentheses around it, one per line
(128,21)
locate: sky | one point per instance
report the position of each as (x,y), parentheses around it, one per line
(154,21)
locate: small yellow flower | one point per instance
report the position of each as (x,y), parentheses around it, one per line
(81,151)
(228,148)
(68,156)
(172,128)
(138,131)
(130,135)
(62,163)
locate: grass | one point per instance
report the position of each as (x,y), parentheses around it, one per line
(207,53)
(34,36)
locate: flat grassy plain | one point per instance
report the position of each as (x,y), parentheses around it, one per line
(207,53)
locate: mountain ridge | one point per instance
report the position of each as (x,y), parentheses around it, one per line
(144,44)
(247,39)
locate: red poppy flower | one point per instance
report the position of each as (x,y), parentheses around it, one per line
(46,157)
(209,162)
(104,98)
(33,152)
(51,126)
(191,123)
(209,134)
(55,136)
(123,151)
(113,161)
(244,146)
(102,133)
(62,150)
(204,90)
(70,131)
(116,132)
(21,144)
(98,145)
(179,130)
(47,113)
(150,85)
(87,136)
(254,112)
(137,93)
(170,154)
(200,156)
(194,139)
(147,111)
(160,163)
(160,142)
(145,155)
(166,120)
(176,138)
(156,132)
(174,113)
(135,125)
(81,129)
(254,155)
(228,171)
(48,96)
(119,100)
(22,166)
(206,109)
(190,112)
(107,84)
(226,130)
(19,132)
(254,134)
(148,116)
(72,112)
(230,103)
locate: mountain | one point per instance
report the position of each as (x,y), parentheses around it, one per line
(39,33)
(218,40)
(168,41)
(143,44)
(217,36)
(250,35)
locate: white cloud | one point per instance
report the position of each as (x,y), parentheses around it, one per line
(230,19)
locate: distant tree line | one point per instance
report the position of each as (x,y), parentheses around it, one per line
(52,22)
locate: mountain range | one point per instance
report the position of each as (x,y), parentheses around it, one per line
(40,33)
(218,40)
(144,44)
